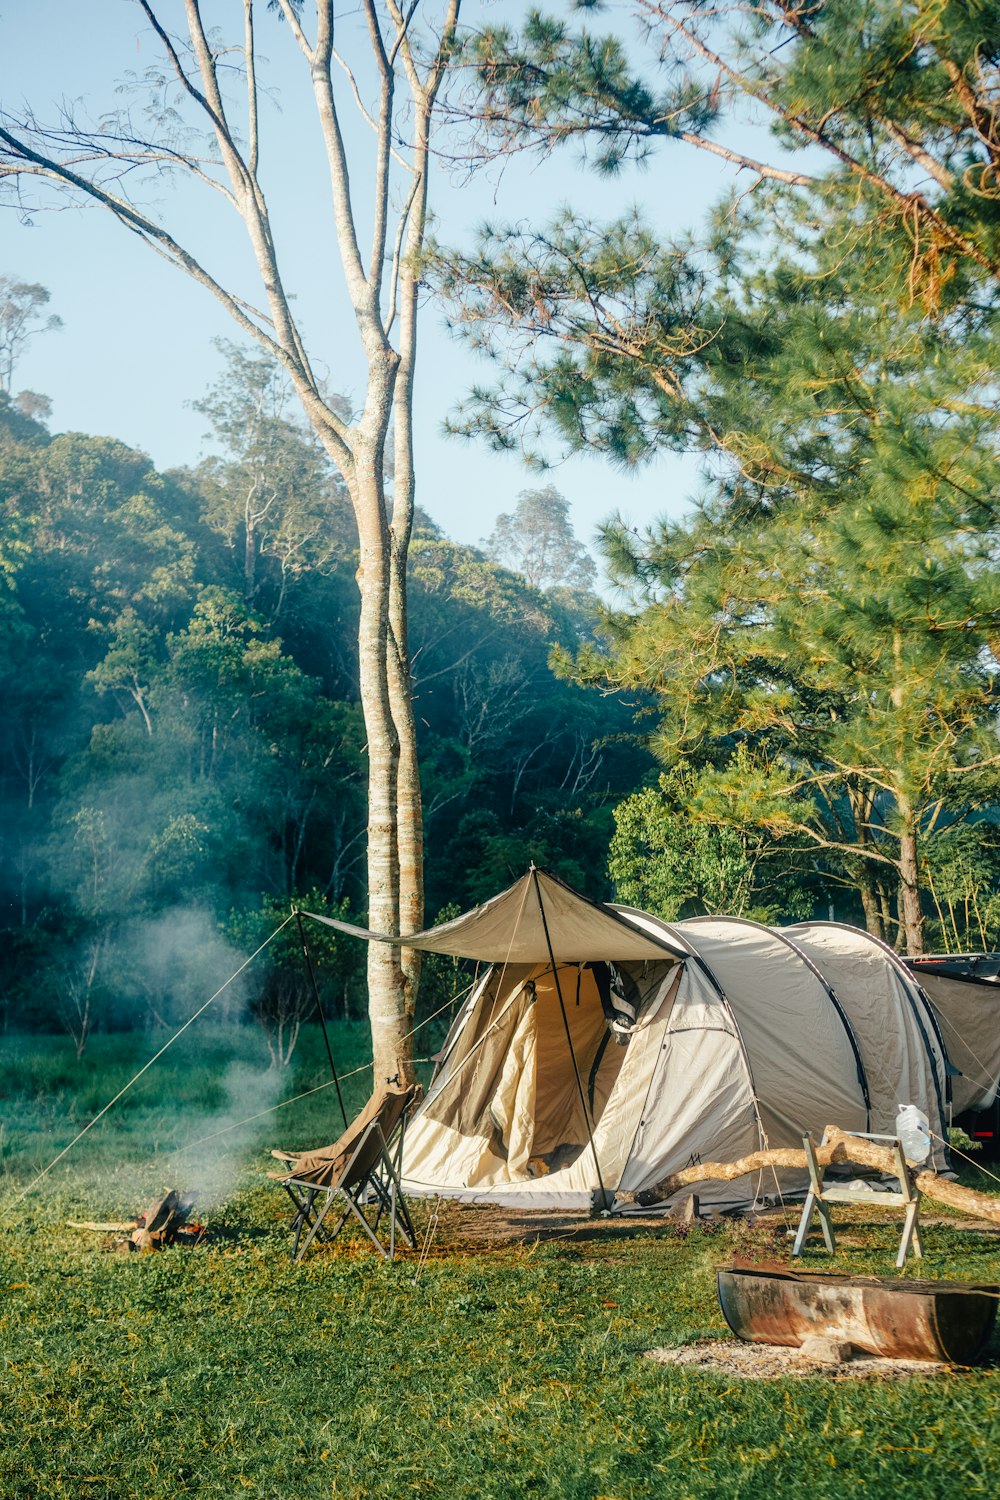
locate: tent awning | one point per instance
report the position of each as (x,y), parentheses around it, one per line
(511,928)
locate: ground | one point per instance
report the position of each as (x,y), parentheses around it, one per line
(507,1357)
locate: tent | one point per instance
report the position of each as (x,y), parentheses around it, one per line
(964,991)
(603,1049)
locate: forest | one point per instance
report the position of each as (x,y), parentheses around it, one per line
(782,704)
(183,747)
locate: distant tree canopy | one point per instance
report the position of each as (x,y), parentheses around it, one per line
(537,539)
(22,317)
(182,749)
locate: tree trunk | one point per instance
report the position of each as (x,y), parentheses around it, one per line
(870,906)
(911,918)
(860,800)
(386,987)
(409,811)
(249,558)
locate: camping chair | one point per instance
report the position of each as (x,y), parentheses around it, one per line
(362,1168)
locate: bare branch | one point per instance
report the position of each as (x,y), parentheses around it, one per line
(747,163)
(340,181)
(252,101)
(387,84)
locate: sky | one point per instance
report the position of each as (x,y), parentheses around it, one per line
(136,348)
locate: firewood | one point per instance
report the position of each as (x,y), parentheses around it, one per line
(110,1228)
(728,1171)
(839,1147)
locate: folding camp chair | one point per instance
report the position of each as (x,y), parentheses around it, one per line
(362,1168)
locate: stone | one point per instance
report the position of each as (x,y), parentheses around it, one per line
(823,1351)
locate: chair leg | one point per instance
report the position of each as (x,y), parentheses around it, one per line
(398,1210)
(303,1213)
(356,1211)
(317,1228)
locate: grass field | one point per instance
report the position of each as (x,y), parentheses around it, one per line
(488,1371)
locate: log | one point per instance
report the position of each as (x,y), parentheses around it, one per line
(839,1146)
(163,1220)
(728,1171)
(954,1195)
(109,1228)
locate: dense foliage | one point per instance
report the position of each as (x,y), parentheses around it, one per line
(820,633)
(183,755)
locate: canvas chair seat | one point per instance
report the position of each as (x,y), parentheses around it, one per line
(361,1168)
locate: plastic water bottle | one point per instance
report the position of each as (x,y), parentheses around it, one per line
(914,1134)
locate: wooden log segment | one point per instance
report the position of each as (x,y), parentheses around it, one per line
(839,1147)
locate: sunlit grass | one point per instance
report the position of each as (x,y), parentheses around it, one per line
(514,1370)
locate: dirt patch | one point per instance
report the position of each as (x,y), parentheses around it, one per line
(475,1227)
(771,1361)
(480,1227)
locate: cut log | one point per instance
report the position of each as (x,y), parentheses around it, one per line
(839,1147)
(728,1171)
(163,1220)
(110,1228)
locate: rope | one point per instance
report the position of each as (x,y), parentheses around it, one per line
(322,1018)
(146,1066)
(964,1155)
(432,1225)
(985,1083)
(226,1129)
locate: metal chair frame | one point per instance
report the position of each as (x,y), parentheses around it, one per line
(380,1186)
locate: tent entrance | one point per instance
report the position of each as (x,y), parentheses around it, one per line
(505,1108)
(538,1119)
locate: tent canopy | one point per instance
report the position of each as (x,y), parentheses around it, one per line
(520,925)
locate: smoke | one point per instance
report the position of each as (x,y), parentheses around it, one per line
(213,1167)
(177,960)
(173,962)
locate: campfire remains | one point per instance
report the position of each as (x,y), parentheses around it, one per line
(165,1222)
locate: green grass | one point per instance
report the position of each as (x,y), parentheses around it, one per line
(495,1372)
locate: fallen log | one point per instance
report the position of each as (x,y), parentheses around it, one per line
(839,1147)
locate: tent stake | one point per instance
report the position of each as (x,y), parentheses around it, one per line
(569,1039)
(322,1019)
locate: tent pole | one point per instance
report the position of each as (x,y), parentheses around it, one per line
(569,1038)
(322,1018)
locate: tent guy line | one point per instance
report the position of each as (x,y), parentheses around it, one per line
(284,1103)
(146,1066)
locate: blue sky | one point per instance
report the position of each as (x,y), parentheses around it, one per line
(137,348)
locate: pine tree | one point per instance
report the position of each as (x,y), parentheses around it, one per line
(895,103)
(828,345)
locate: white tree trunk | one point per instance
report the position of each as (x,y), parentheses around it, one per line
(382,292)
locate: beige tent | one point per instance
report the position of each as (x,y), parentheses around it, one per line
(603,1049)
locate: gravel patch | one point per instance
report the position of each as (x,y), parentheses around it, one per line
(771,1361)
